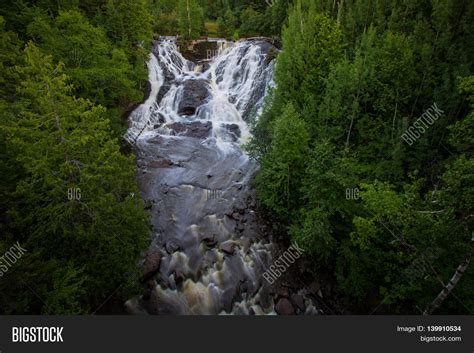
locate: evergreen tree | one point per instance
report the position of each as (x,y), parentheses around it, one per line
(74,205)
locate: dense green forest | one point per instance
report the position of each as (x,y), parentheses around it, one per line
(231,19)
(69,72)
(365,144)
(388,213)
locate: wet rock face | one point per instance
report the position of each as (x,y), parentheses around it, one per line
(210,240)
(160,163)
(265,51)
(160,121)
(199,50)
(168,75)
(195,94)
(233,130)
(160,305)
(194,129)
(265,45)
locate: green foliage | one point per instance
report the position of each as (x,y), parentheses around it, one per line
(278,14)
(164,15)
(227,25)
(103,43)
(300,73)
(359,73)
(79,251)
(259,145)
(251,22)
(279,182)
(97,69)
(191,19)
(249,17)
(128,22)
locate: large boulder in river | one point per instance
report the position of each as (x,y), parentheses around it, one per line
(195,94)
(195,129)
(298,302)
(284,307)
(233,131)
(228,247)
(152,263)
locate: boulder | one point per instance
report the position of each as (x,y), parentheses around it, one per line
(284,307)
(195,94)
(228,247)
(198,50)
(152,264)
(160,121)
(283,292)
(205,67)
(194,129)
(298,301)
(157,305)
(233,130)
(179,276)
(236,216)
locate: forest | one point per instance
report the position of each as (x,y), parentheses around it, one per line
(364,144)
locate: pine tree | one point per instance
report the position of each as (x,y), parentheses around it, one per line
(74,203)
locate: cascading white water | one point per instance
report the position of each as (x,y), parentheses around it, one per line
(147,114)
(141,117)
(231,81)
(192,171)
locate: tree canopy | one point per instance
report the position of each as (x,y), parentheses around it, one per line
(391,221)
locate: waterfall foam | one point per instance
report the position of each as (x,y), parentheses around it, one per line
(236,82)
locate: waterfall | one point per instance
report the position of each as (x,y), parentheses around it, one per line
(236,82)
(194,176)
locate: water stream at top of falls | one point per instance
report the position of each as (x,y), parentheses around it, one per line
(194,177)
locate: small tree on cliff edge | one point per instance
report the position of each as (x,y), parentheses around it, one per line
(191,19)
